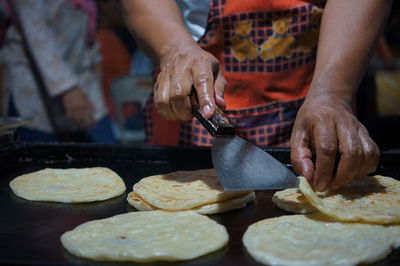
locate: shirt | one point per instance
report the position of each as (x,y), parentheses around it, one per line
(56,32)
(195,15)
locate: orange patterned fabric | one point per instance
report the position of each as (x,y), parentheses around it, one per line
(116,62)
(267,52)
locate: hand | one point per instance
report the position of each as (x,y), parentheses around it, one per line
(326,127)
(181,69)
(78,108)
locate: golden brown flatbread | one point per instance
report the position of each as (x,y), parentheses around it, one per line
(70,185)
(316,239)
(292,200)
(218,207)
(146,236)
(372,199)
(183,190)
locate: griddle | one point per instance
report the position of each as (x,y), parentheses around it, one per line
(30,231)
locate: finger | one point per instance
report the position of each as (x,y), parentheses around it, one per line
(371,153)
(300,154)
(180,89)
(219,87)
(325,142)
(203,80)
(161,97)
(351,156)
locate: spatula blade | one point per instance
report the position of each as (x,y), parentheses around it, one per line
(241,165)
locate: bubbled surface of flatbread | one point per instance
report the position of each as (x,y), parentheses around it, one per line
(146,236)
(292,200)
(183,190)
(71,185)
(372,199)
(316,239)
(219,207)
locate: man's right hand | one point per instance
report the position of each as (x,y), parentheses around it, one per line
(184,67)
(78,108)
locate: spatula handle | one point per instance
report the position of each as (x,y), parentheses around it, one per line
(218,125)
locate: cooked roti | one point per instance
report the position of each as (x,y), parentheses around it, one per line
(372,199)
(146,236)
(218,207)
(292,200)
(69,185)
(316,239)
(183,190)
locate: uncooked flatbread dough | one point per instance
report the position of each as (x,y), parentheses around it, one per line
(372,199)
(292,200)
(183,190)
(69,185)
(218,207)
(146,236)
(316,239)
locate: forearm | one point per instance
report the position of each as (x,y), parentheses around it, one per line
(156,25)
(348,37)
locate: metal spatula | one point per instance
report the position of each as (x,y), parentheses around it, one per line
(241,165)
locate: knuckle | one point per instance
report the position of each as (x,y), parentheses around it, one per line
(353,152)
(203,97)
(177,93)
(202,79)
(328,149)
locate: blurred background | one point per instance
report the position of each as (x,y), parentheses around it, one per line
(126,80)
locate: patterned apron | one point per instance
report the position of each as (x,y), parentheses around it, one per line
(267,52)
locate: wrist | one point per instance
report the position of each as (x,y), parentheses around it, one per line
(179,47)
(330,87)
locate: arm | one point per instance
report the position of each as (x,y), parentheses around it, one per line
(158,27)
(325,124)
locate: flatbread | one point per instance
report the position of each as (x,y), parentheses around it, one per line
(138,203)
(224,206)
(316,239)
(292,200)
(183,190)
(146,236)
(69,185)
(372,199)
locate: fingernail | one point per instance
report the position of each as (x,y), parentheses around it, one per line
(206,110)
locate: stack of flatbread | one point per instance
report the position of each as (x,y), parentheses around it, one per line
(198,190)
(358,224)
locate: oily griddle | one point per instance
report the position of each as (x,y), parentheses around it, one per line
(30,231)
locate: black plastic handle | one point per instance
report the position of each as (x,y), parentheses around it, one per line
(218,125)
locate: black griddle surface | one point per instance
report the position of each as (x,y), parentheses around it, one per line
(30,231)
